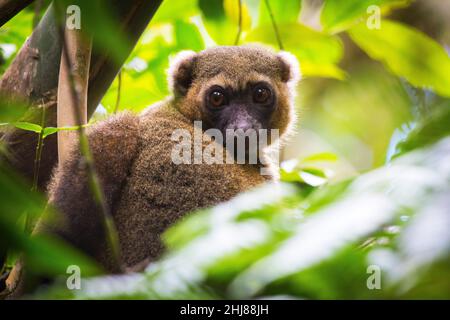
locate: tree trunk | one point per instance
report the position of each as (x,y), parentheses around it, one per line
(9,8)
(33,75)
(79,50)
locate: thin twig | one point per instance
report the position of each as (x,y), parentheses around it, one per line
(38,155)
(94,181)
(37,167)
(238,36)
(119,91)
(274,25)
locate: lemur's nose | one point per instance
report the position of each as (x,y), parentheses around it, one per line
(241,124)
(244,121)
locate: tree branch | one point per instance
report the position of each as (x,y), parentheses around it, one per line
(72,100)
(9,8)
(72,88)
(33,75)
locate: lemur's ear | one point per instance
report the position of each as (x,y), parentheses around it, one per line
(181,72)
(290,67)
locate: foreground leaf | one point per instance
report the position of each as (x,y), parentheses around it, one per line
(271,241)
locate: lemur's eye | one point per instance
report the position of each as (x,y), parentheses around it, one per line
(261,95)
(217,98)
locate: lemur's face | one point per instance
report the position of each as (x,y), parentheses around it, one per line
(230,107)
(232,88)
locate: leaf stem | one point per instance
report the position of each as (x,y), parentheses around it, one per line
(274,25)
(38,155)
(238,35)
(37,167)
(119,91)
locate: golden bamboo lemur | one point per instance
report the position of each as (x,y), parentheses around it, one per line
(238,87)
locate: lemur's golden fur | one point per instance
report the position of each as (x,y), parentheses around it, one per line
(144,189)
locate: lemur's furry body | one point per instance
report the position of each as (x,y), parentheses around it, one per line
(144,189)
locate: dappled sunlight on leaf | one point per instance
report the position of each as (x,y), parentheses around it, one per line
(340,223)
(221,17)
(339,15)
(319,52)
(286,11)
(408,53)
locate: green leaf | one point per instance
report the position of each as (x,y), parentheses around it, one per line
(187,36)
(286,11)
(14,33)
(16,198)
(170,10)
(43,255)
(313,177)
(339,15)
(324,70)
(149,83)
(221,19)
(51,130)
(11,111)
(431,129)
(27,126)
(408,53)
(317,52)
(296,170)
(324,156)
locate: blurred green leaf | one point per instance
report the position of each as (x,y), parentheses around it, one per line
(286,11)
(52,130)
(175,10)
(436,126)
(144,73)
(310,176)
(359,115)
(47,131)
(317,52)
(28,126)
(13,34)
(221,19)
(16,198)
(187,36)
(338,15)
(44,256)
(303,171)
(11,111)
(324,156)
(408,53)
